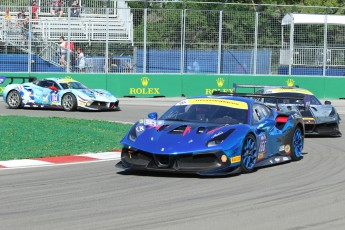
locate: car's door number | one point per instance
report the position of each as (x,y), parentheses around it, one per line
(262,144)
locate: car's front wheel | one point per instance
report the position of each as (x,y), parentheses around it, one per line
(14,100)
(69,102)
(249,154)
(297,144)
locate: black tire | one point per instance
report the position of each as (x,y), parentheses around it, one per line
(14,100)
(297,140)
(69,102)
(249,154)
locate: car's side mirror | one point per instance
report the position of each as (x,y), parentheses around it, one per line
(153,116)
(53,88)
(328,102)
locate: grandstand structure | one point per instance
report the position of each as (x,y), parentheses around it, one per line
(168,36)
(99,21)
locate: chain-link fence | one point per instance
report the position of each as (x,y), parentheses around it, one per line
(173,37)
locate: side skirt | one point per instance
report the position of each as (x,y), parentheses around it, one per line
(272,161)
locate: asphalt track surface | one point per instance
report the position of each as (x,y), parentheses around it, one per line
(309,194)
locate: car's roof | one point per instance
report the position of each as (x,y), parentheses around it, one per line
(285,89)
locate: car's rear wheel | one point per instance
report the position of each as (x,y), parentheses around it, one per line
(249,154)
(14,100)
(69,102)
(297,144)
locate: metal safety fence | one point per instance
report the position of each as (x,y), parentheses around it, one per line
(172,37)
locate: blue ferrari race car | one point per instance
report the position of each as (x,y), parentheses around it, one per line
(213,135)
(68,94)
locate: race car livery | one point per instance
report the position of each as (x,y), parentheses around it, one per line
(68,94)
(213,135)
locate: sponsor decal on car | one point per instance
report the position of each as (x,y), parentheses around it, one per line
(151,122)
(262,144)
(140,128)
(261,155)
(293,90)
(215,101)
(281,148)
(235,159)
(54,98)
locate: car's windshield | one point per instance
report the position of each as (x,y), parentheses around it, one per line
(291,100)
(72,85)
(206,113)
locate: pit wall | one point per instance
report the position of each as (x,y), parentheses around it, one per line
(177,85)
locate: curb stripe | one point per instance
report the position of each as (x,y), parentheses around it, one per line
(48,161)
(66,159)
(22,163)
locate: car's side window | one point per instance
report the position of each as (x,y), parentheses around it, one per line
(267,112)
(260,112)
(52,83)
(43,83)
(256,114)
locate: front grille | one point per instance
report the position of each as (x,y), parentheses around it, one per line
(309,128)
(99,105)
(162,160)
(200,161)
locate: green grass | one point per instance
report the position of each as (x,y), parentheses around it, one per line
(31,137)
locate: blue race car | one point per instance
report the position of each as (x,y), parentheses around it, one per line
(213,135)
(68,94)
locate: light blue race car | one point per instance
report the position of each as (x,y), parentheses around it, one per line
(68,94)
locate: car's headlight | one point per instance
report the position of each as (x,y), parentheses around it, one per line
(219,138)
(135,131)
(333,113)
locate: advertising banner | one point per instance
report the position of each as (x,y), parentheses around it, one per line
(146,85)
(177,85)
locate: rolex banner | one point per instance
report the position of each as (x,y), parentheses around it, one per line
(177,85)
(147,85)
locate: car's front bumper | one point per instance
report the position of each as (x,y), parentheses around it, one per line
(202,164)
(323,129)
(101,105)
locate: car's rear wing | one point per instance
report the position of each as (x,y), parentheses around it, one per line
(255,87)
(12,79)
(305,99)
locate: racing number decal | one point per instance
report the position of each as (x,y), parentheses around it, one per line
(262,143)
(54,98)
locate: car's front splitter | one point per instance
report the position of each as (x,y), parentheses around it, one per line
(325,129)
(203,164)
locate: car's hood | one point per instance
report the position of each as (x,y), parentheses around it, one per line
(315,113)
(323,113)
(176,137)
(96,94)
